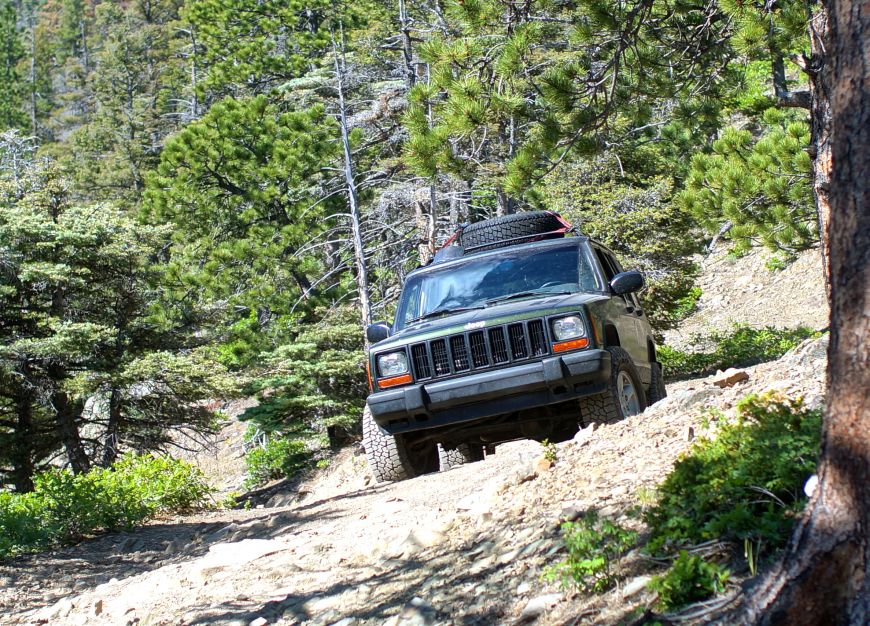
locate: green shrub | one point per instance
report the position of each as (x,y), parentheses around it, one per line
(741,347)
(689,579)
(65,507)
(280,457)
(743,485)
(593,545)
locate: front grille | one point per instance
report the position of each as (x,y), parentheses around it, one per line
(537,338)
(499,347)
(439,357)
(420,356)
(479,349)
(518,341)
(460,353)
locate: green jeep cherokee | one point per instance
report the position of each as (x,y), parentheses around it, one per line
(525,330)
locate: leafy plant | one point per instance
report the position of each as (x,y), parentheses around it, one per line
(690,578)
(741,347)
(746,483)
(279,457)
(550,450)
(65,507)
(593,545)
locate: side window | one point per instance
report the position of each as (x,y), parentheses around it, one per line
(615,263)
(605,264)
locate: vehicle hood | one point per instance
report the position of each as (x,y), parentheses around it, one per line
(503,313)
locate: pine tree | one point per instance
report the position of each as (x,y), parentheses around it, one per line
(244,187)
(757,189)
(11,53)
(84,325)
(515,88)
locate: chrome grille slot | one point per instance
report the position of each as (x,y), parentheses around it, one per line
(519,350)
(420,356)
(439,357)
(460,353)
(497,345)
(537,339)
(478,349)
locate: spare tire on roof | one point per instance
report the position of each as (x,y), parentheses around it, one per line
(508,230)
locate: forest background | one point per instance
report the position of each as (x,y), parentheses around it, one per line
(213,197)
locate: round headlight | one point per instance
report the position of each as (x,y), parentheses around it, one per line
(393,364)
(568,328)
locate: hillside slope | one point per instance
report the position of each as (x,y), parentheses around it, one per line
(743,290)
(461,547)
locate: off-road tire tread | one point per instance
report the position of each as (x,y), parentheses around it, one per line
(604,408)
(462,454)
(388,457)
(657,389)
(499,231)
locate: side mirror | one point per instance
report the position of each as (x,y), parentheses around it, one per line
(377,332)
(627,282)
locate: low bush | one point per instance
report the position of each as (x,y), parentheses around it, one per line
(741,347)
(690,578)
(746,484)
(593,545)
(65,507)
(278,457)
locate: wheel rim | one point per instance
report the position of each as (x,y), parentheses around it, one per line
(628,400)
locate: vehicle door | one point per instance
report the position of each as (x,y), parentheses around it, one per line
(627,311)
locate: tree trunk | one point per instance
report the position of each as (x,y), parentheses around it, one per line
(66,415)
(821,130)
(22,443)
(505,205)
(823,578)
(113,430)
(362,277)
(407,46)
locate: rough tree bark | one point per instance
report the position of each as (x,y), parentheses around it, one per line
(823,578)
(820,115)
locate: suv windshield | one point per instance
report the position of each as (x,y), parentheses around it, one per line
(487,280)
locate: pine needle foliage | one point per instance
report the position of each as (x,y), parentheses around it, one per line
(761,187)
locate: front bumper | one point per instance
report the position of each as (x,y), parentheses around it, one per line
(495,392)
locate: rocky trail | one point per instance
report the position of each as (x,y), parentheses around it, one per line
(463,547)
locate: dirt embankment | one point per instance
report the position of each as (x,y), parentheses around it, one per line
(466,546)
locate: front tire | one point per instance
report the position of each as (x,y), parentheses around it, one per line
(624,396)
(393,458)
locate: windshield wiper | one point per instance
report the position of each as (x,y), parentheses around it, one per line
(527,294)
(444,311)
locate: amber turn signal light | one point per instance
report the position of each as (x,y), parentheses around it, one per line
(573,344)
(395,381)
